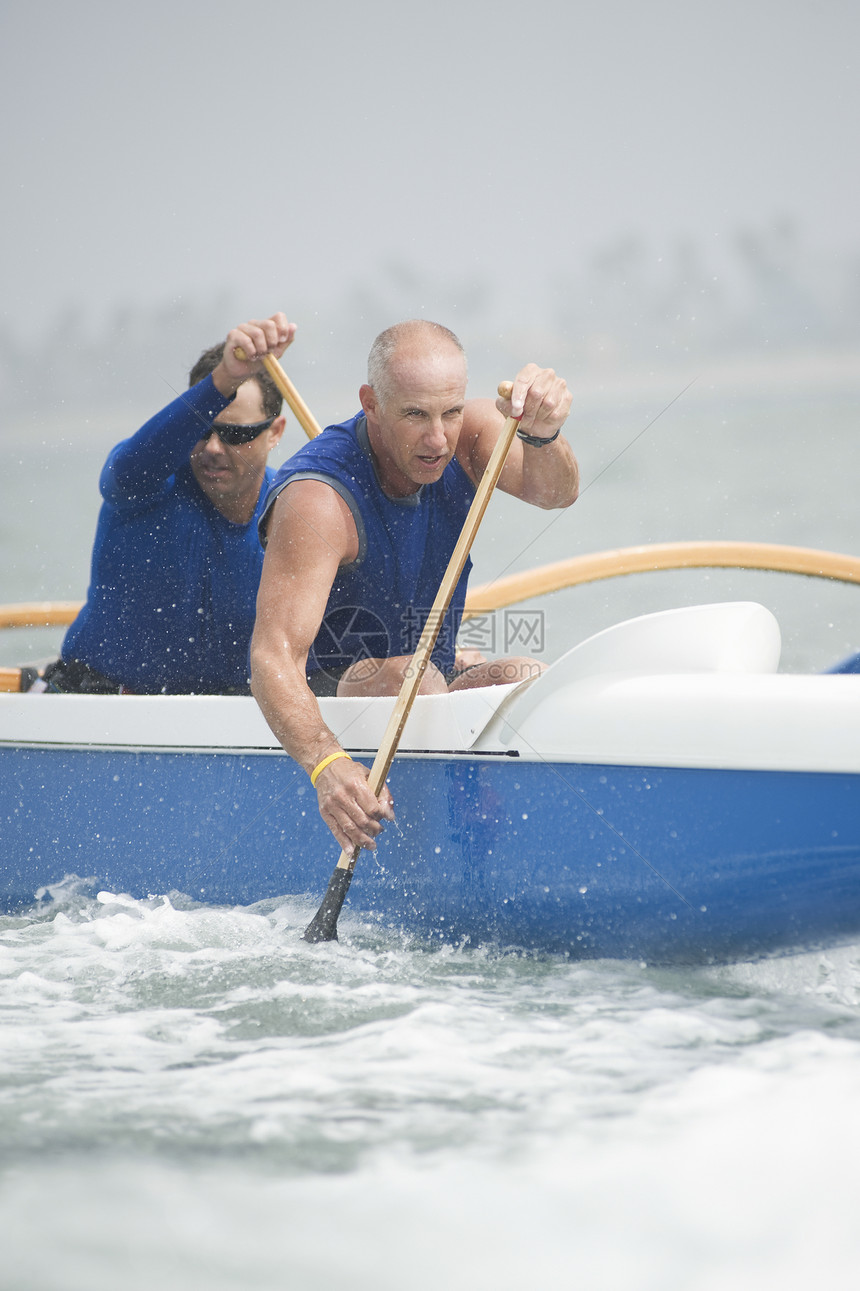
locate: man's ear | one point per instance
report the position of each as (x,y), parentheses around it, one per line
(276,430)
(369,401)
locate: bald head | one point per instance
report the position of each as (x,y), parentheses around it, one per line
(399,347)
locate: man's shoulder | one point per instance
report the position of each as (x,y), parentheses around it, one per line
(333,457)
(338,446)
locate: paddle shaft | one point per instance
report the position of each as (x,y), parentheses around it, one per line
(299,408)
(323,927)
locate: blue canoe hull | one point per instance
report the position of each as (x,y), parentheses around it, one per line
(665,865)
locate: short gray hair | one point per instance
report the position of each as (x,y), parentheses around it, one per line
(385,346)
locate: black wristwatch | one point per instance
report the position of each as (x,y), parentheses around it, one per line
(538,441)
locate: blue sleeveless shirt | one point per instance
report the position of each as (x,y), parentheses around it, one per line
(378,604)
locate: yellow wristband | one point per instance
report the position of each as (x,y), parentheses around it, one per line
(321,766)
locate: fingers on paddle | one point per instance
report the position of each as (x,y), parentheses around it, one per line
(537,398)
(250,341)
(386,803)
(503,403)
(348,806)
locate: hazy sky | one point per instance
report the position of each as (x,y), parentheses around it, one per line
(163,150)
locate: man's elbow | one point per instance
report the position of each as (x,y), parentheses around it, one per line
(260,660)
(273,663)
(570,486)
(556,499)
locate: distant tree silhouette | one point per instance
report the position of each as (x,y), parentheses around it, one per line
(628,303)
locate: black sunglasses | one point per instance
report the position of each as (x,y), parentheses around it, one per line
(231,433)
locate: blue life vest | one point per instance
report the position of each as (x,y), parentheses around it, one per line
(378,605)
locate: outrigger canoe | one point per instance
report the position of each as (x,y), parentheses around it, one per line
(662,792)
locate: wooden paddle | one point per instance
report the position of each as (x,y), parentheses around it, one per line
(323,926)
(300,409)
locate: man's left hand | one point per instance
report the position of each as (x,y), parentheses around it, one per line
(256,338)
(540,400)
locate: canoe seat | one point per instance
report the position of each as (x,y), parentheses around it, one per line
(730,636)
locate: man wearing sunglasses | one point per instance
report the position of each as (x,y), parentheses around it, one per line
(177,559)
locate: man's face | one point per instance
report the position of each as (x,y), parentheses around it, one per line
(415,426)
(230,475)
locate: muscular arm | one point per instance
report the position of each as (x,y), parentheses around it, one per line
(310,534)
(546,476)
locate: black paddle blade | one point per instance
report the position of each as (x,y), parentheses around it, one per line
(323,926)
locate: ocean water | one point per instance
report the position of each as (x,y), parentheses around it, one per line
(193,1098)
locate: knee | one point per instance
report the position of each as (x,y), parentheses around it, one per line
(499,672)
(519,668)
(386,676)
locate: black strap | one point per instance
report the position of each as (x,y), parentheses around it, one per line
(538,441)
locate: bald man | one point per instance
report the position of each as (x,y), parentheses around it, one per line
(359,527)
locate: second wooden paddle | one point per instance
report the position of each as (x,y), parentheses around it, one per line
(298,407)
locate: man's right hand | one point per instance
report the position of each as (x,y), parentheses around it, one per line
(255,338)
(349,808)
